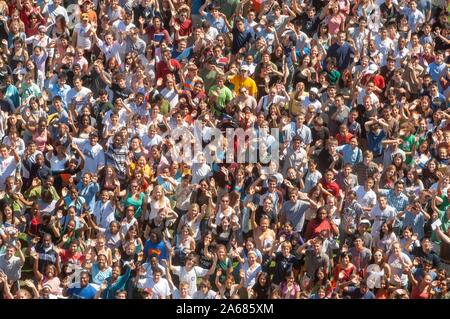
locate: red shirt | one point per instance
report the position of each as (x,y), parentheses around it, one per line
(185,27)
(332,188)
(158,35)
(344,139)
(315,226)
(67,256)
(162,70)
(25,15)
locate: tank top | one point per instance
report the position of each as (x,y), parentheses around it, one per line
(416,294)
(40,140)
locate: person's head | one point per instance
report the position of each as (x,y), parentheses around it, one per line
(321,213)
(157,273)
(4,150)
(342,36)
(286,248)
(358,242)
(156,235)
(84,278)
(426,244)
(221,252)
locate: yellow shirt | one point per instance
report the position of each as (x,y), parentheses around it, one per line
(248,83)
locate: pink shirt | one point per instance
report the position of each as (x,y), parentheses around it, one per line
(334,23)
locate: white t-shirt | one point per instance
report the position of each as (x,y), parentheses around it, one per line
(56,164)
(380,216)
(81,98)
(365,199)
(148,141)
(190,276)
(104,214)
(94,155)
(154,208)
(397,268)
(83,41)
(160,289)
(200,172)
(7,168)
(177,295)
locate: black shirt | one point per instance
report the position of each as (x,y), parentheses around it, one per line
(119,92)
(283,265)
(432,256)
(389,14)
(309,25)
(239,40)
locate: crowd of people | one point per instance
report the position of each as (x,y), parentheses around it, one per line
(353,203)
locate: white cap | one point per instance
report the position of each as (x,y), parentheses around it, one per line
(372,68)
(245,67)
(364,221)
(314,90)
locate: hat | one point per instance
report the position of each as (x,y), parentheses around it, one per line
(365,221)
(244,68)
(148,290)
(314,90)
(42,27)
(373,68)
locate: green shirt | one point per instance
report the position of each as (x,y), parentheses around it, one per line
(407,146)
(225,95)
(36,192)
(228,7)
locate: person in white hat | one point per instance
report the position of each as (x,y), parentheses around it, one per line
(242,79)
(313,99)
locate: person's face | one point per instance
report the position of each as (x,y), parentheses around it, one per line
(264,225)
(4,152)
(426,245)
(383,202)
(225,202)
(329,176)
(267,205)
(10,252)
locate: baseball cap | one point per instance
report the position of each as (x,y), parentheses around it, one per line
(244,68)
(365,221)
(372,68)
(42,27)
(148,290)
(314,90)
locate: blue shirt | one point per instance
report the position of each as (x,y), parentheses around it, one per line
(416,222)
(355,293)
(13,94)
(435,71)
(88,193)
(219,23)
(159,250)
(344,54)
(185,54)
(350,155)
(87,292)
(57,90)
(398,202)
(374,142)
